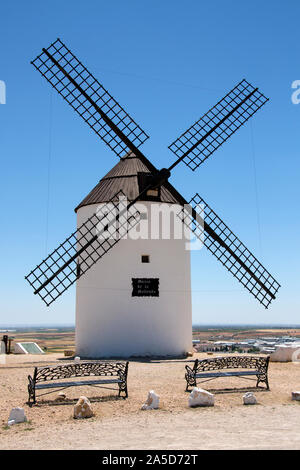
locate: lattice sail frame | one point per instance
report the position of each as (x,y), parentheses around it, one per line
(221,230)
(214,128)
(104,232)
(95,91)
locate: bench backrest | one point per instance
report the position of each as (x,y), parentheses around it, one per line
(81,369)
(232,362)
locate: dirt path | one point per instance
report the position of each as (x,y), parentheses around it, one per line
(252,427)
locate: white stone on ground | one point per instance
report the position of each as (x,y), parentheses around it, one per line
(17,415)
(77,358)
(61,396)
(200,397)
(152,402)
(296,396)
(249,399)
(83,409)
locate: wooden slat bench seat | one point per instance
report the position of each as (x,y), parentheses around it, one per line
(214,368)
(49,377)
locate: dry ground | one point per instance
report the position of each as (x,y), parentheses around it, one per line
(120,424)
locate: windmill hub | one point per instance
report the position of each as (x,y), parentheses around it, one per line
(160,178)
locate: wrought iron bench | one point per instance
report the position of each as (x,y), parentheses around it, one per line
(203,369)
(49,377)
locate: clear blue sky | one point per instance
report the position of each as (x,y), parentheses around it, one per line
(166,62)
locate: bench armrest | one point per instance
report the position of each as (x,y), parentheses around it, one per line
(123,376)
(30,379)
(189,371)
(190,377)
(122,373)
(31,390)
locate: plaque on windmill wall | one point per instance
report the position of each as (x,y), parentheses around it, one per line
(145,287)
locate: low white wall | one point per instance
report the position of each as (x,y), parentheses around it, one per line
(286,353)
(2,347)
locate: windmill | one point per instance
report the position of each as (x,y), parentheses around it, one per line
(105,217)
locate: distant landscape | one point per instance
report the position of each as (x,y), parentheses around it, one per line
(241,332)
(50,339)
(56,339)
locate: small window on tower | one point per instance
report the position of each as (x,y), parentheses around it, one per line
(144,179)
(153,192)
(145,259)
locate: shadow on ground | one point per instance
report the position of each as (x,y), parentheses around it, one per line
(73,401)
(217,391)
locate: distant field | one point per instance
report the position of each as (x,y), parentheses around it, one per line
(236,334)
(51,341)
(56,340)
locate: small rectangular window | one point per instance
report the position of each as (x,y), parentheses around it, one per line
(153,192)
(144,179)
(145,259)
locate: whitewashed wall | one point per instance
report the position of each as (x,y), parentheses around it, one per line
(112,323)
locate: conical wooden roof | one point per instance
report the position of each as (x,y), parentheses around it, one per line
(124,176)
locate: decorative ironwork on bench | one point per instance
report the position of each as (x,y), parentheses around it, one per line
(84,369)
(204,368)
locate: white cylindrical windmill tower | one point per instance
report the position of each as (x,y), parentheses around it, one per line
(136,301)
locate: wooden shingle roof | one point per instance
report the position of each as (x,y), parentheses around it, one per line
(124,176)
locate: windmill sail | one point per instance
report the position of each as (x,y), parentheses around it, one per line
(89,99)
(230,251)
(98,234)
(83,248)
(204,137)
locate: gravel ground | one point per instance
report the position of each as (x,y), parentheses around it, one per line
(121,424)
